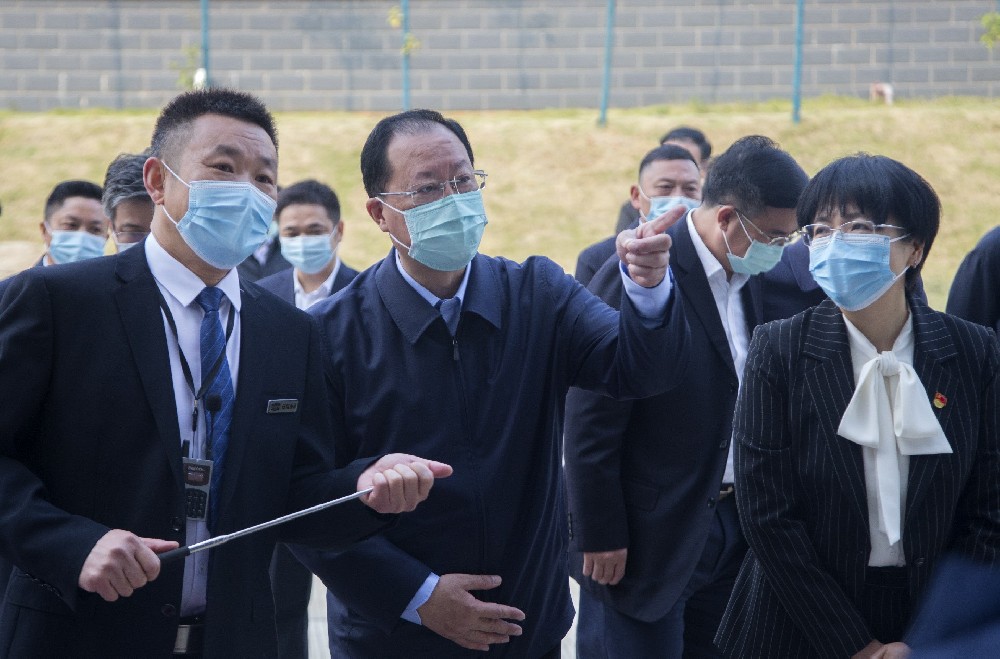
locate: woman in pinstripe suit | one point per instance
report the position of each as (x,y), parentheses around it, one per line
(866,433)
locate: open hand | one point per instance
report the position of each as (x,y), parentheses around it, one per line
(453,612)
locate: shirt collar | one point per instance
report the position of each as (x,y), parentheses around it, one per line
(426,294)
(324,288)
(713,269)
(484,296)
(180,282)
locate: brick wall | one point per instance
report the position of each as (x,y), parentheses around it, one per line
(487,54)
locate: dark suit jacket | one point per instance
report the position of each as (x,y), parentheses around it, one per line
(960,615)
(646,474)
(800,487)
(975,291)
(592,258)
(89,441)
(252,270)
(788,287)
(280,283)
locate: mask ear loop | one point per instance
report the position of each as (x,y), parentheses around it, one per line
(164,206)
(392,237)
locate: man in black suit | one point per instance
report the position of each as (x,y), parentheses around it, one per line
(655,535)
(685,137)
(668,176)
(310,230)
(195,431)
(974,291)
(75,227)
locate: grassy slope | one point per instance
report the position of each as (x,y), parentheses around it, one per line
(556,179)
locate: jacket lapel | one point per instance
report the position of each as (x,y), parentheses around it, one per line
(831,385)
(933,347)
(138,305)
(697,293)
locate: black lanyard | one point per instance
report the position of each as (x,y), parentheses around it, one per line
(205,381)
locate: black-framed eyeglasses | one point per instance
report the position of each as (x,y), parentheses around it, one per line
(428,192)
(777,241)
(860,227)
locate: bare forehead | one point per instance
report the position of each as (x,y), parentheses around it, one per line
(214,133)
(426,149)
(304,214)
(81,208)
(672,169)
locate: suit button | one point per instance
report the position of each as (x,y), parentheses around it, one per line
(176,524)
(711,503)
(920,562)
(168,610)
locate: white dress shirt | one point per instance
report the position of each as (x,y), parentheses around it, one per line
(305,300)
(729,304)
(180,287)
(891,418)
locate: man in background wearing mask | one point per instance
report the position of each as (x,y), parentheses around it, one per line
(75,227)
(266,260)
(467,358)
(691,139)
(668,177)
(656,542)
(310,230)
(126,201)
(198,430)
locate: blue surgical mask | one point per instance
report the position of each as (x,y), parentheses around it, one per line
(225,220)
(660,205)
(445,234)
(853,270)
(309,254)
(73,246)
(759,258)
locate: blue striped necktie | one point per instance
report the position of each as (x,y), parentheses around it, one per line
(213,355)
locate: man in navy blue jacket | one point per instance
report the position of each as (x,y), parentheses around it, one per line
(480,383)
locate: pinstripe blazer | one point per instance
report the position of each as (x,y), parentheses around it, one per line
(800,487)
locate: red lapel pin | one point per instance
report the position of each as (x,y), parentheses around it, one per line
(940,400)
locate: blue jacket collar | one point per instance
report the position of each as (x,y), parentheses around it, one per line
(413,315)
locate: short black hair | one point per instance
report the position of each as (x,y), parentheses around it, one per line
(175,119)
(67,189)
(666,152)
(375,168)
(310,191)
(752,174)
(885,191)
(691,135)
(123,180)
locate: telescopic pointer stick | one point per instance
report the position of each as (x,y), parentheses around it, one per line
(182,552)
